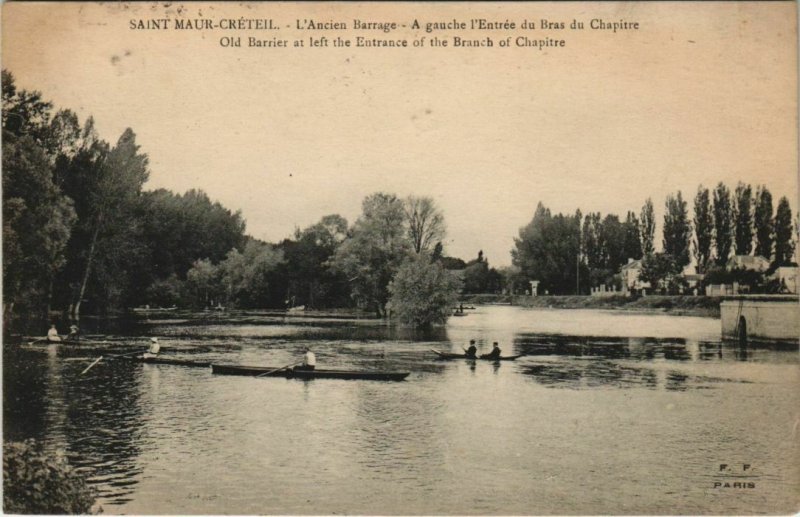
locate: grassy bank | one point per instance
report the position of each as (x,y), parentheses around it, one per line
(705,306)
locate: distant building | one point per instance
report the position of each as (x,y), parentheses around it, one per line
(630,277)
(748,262)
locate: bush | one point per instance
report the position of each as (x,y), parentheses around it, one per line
(34,482)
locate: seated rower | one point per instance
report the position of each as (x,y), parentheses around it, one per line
(154,349)
(494,354)
(309,360)
(52,334)
(74,333)
(471,352)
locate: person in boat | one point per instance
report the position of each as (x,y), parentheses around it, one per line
(309,360)
(494,354)
(74,333)
(472,351)
(52,334)
(154,349)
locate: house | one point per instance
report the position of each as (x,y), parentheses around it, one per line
(748,262)
(630,277)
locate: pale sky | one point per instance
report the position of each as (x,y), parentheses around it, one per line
(701,93)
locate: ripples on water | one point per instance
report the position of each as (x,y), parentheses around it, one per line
(606,413)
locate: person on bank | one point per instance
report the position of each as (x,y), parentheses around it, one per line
(52,334)
(472,351)
(309,360)
(494,354)
(154,349)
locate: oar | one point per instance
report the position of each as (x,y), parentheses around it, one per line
(278,369)
(112,356)
(94,363)
(37,341)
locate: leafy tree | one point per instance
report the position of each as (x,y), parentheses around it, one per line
(703,228)
(425,223)
(647,227)
(612,239)
(377,245)
(246,276)
(310,280)
(453,263)
(677,230)
(548,250)
(204,283)
(762,219)
(661,271)
(743,210)
(784,245)
(423,293)
(723,223)
(632,245)
(37,221)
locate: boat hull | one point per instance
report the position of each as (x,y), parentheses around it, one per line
(448,355)
(267,371)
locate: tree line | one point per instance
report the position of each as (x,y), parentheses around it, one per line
(80,234)
(569,254)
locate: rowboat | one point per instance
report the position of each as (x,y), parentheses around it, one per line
(447,355)
(267,371)
(165,360)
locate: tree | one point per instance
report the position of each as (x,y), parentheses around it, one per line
(425,223)
(115,179)
(784,245)
(374,251)
(37,222)
(661,271)
(423,293)
(762,219)
(548,250)
(204,283)
(632,246)
(591,244)
(703,228)
(246,276)
(309,279)
(647,227)
(723,223)
(743,217)
(677,230)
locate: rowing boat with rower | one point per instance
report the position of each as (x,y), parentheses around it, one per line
(297,373)
(448,355)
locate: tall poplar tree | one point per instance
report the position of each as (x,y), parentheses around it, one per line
(743,219)
(703,228)
(677,230)
(633,244)
(762,219)
(723,223)
(784,245)
(647,227)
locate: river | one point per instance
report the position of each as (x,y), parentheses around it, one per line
(607,413)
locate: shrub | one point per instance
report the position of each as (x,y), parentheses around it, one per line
(35,482)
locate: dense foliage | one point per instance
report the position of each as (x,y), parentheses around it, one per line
(37,483)
(422,292)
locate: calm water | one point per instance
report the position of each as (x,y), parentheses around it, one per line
(608,413)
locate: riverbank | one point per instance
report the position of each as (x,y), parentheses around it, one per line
(705,306)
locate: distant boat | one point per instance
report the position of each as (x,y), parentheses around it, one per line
(299,308)
(448,355)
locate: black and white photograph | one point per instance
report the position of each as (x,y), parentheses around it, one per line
(400,258)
